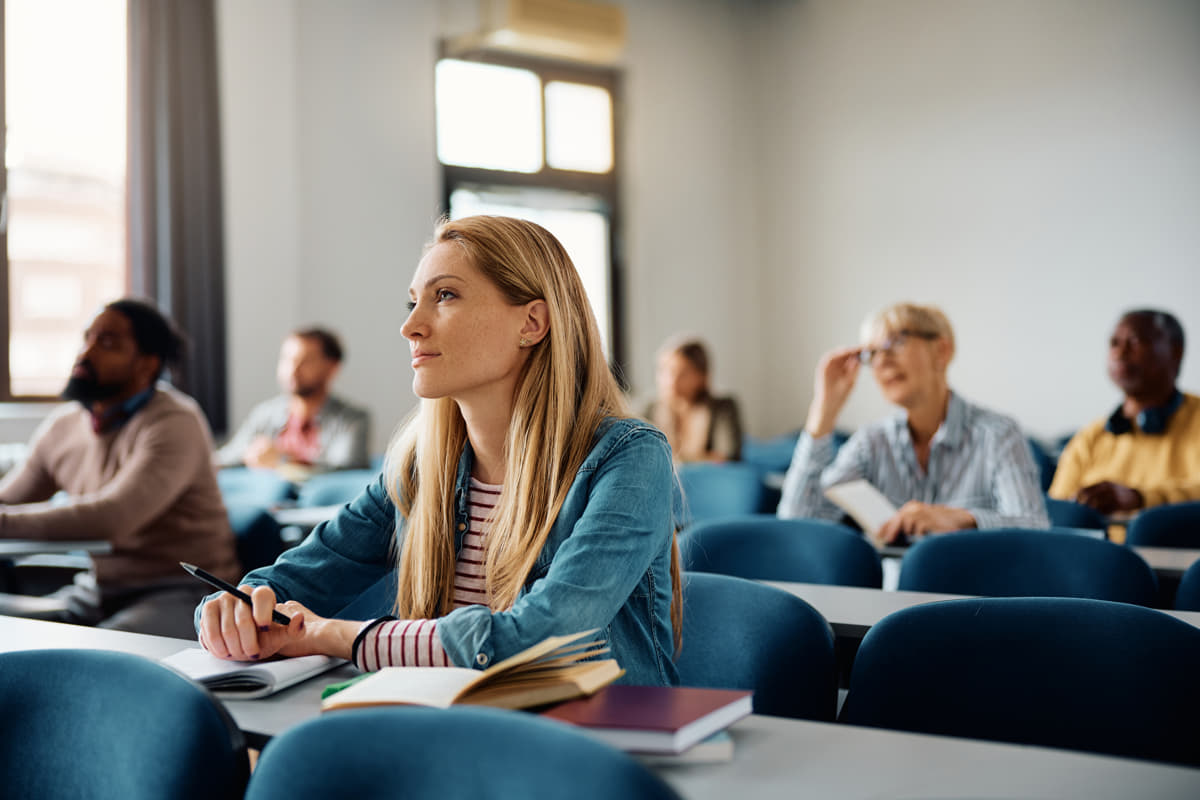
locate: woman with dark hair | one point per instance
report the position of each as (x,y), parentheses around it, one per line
(699,425)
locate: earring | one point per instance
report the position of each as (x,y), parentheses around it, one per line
(524,342)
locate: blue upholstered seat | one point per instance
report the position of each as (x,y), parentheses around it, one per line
(1174,525)
(712,491)
(98,724)
(335,488)
(1014,563)
(763,547)
(1060,672)
(459,753)
(738,634)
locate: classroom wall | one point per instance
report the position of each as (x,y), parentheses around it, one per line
(790,165)
(1031,166)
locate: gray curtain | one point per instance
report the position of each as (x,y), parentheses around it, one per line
(176,240)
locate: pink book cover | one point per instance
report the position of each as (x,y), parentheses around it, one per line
(654,718)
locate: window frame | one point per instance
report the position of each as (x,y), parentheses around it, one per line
(603,186)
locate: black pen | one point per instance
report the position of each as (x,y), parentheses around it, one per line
(217,583)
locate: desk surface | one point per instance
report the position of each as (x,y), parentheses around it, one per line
(852,610)
(10,548)
(772,757)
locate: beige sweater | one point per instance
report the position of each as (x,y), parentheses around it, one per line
(148,487)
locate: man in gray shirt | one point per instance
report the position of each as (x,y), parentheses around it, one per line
(307,428)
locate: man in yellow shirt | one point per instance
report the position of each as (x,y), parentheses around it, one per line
(1147,452)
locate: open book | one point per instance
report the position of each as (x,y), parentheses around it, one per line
(552,670)
(865,504)
(245,680)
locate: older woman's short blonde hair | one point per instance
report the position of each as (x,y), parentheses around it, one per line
(907,317)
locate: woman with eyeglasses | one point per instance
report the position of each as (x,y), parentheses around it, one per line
(946,464)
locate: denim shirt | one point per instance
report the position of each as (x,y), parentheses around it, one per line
(605,564)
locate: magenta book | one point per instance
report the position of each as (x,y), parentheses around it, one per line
(654,719)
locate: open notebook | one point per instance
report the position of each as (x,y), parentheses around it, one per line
(245,680)
(865,504)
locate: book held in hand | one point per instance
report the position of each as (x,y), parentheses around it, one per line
(655,719)
(865,504)
(554,669)
(246,680)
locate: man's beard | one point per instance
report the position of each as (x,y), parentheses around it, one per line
(88,390)
(307,390)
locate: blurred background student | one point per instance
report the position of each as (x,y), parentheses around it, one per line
(699,425)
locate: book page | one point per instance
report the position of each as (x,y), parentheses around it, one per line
(247,679)
(424,686)
(865,504)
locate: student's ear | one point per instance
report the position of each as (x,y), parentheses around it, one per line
(537,322)
(943,351)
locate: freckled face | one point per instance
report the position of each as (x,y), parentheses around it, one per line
(463,332)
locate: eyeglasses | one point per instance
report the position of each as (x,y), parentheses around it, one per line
(893,344)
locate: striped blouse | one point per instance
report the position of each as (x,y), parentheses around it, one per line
(414,642)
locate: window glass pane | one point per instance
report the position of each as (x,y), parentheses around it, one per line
(579,127)
(582,231)
(488,116)
(64,76)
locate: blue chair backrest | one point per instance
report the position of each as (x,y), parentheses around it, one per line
(1046,463)
(254,486)
(763,547)
(335,488)
(1069,514)
(1175,525)
(1024,563)
(98,724)
(256,532)
(1187,596)
(738,634)
(769,455)
(1059,672)
(462,752)
(711,491)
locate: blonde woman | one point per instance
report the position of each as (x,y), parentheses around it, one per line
(946,464)
(520,502)
(699,425)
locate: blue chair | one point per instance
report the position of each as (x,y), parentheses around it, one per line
(261,487)
(738,634)
(711,491)
(256,532)
(1059,672)
(1069,514)
(768,548)
(458,753)
(1174,525)
(1047,465)
(1187,596)
(769,455)
(1025,563)
(335,488)
(99,724)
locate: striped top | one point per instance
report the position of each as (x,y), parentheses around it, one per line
(414,642)
(978,460)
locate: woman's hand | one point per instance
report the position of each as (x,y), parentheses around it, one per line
(915,519)
(836,373)
(232,630)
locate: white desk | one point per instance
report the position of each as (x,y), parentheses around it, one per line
(851,610)
(14,548)
(773,758)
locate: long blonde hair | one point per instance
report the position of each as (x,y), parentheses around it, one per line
(563,394)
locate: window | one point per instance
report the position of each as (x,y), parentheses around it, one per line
(64,143)
(537,140)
